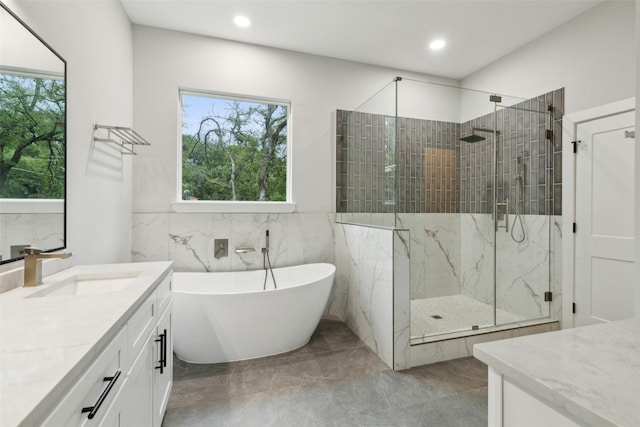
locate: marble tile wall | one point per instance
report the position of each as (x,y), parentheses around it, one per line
(41,230)
(188,239)
(477,256)
(453,254)
(524,271)
(435,253)
(371,295)
(401,304)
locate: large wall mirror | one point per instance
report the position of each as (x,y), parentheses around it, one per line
(32,141)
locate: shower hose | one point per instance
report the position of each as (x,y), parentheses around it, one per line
(518,219)
(265,257)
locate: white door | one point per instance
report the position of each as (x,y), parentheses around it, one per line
(604,238)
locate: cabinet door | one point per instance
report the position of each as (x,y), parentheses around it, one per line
(95,390)
(163,355)
(139,388)
(113,417)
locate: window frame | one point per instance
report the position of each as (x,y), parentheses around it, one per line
(234,206)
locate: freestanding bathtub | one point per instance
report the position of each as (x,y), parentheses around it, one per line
(222,317)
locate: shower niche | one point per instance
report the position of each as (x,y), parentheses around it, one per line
(475,177)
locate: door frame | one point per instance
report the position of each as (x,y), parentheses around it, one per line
(570,123)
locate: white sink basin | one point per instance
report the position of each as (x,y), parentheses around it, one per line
(89,284)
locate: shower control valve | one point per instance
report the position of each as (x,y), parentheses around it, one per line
(221,248)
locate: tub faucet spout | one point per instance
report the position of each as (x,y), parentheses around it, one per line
(33,265)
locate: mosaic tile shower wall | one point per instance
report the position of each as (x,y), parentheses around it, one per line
(440,174)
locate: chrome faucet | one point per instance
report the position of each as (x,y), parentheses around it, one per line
(33,265)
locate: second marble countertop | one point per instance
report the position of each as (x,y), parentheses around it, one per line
(591,373)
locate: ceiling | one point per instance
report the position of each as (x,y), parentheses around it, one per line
(392,33)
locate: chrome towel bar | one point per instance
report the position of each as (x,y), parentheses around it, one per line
(120,135)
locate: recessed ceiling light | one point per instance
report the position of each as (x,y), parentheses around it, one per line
(242,21)
(437,44)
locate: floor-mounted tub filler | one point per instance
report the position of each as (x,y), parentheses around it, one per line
(222,317)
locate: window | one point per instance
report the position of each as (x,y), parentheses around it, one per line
(233,148)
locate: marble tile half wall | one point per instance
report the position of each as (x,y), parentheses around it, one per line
(372,289)
(188,239)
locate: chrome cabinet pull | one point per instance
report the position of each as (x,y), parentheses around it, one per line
(93,410)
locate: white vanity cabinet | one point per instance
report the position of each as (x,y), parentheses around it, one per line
(163,366)
(97,394)
(141,357)
(150,377)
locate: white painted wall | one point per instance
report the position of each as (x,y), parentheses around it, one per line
(592,56)
(96,41)
(165,61)
(24,51)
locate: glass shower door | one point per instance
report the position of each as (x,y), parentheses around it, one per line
(524,208)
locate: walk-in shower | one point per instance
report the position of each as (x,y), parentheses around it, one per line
(475,178)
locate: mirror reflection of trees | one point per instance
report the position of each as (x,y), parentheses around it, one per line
(32,163)
(239,152)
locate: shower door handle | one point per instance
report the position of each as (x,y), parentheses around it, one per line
(506,215)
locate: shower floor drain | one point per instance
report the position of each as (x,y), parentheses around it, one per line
(437,316)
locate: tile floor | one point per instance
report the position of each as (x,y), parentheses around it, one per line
(333,381)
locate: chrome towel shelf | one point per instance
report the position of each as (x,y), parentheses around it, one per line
(120,135)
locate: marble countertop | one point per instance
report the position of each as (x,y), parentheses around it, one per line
(46,343)
(590,373)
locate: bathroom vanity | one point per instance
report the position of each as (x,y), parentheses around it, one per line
(91,346)
(587,376)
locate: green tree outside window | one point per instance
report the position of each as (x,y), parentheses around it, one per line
(32,151)
(233,150)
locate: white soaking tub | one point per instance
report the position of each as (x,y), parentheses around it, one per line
(222,317)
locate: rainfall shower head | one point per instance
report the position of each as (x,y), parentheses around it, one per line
(474,137)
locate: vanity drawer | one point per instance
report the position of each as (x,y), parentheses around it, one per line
(164,292)
(140,325)
(97,388)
